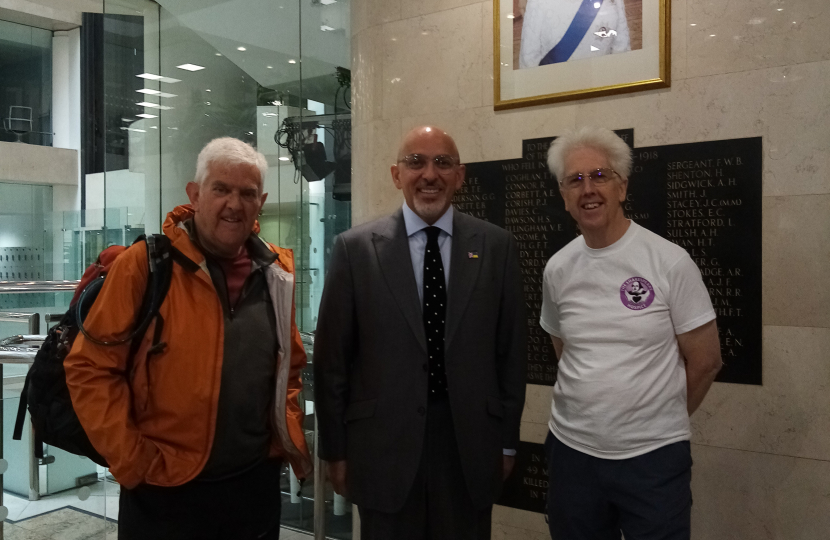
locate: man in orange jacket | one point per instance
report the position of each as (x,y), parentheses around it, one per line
(196,434)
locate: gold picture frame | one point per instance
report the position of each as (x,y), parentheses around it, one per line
(520,82)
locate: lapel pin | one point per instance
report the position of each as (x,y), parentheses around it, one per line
(472,254)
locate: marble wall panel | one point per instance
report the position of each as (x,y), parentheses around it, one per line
(537,404)
(366,13)
(679,28)
(428,7)
(375,147)
(749,495)
(789,414)
(506,532)
(487,52)
(534,432)
(433,63)
(367,75)
(730,37)
(522,520)
(796,261)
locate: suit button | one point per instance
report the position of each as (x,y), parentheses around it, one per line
(426,368)
(422,411)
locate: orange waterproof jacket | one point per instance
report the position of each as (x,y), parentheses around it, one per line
(156,424)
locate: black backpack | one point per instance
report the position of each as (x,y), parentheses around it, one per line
(45,392)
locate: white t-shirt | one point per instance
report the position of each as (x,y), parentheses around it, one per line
(621,387)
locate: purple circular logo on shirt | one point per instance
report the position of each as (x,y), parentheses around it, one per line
(636,293)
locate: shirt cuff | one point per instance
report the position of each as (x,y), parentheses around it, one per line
(509,451)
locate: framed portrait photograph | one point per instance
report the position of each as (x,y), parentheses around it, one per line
(559,50)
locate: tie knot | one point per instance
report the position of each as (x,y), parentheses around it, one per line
(432,233)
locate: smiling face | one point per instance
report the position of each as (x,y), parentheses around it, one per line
(428,192)
(597,208)
(226,206)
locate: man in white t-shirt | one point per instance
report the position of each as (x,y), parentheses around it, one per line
(635,334)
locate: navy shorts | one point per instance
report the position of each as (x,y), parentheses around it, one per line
(647,497)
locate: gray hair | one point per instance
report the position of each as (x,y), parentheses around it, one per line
(600,139)
(229,151)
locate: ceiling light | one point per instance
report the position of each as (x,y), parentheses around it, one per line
(292,61)
(207,89)
(597,5)
(780,9)
(190,67)
(711,35)
(145,115)
(218,54)
(153,77)
(155,93)
(153,105)
(241,49)
(511,16)
(693,24)
(326,28)
(270,67)
(284,159)
(324,2)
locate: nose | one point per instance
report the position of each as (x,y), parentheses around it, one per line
(234,201)
(588,185)
(430,171)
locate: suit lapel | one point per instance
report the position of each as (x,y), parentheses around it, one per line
(463,272)
(392,248)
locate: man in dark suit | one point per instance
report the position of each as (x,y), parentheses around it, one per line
(420,358)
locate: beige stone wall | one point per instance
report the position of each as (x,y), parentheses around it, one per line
(745,69)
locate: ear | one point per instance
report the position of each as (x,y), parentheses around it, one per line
(623,189)
(262,201)
(462,174)
(396,176)
(192,190)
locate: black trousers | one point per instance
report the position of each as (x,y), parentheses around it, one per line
(245,507)
(439,506)
(647,497)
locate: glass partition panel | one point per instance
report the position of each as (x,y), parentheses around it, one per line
(25,84)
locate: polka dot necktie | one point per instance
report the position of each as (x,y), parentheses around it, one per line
(435,302)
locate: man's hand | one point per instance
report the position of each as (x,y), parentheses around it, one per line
(507,463)
(337,475)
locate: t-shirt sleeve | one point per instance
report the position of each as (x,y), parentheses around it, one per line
(689,302)
(549,318)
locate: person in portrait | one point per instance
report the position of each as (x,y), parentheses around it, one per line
(634,330)
(555,31)
(197,431)
(420,357)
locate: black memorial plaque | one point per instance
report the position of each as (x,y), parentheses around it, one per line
(527,487)
(705,197)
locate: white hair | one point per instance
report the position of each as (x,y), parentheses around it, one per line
(230,151)
(600,139)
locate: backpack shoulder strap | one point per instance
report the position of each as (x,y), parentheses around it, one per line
(160,256)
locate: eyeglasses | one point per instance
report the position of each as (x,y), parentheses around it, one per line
(597,177)
(418,162)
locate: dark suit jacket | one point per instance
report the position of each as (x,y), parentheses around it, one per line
(370,359)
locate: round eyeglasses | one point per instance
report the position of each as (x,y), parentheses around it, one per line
(418,162)
(597,177)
